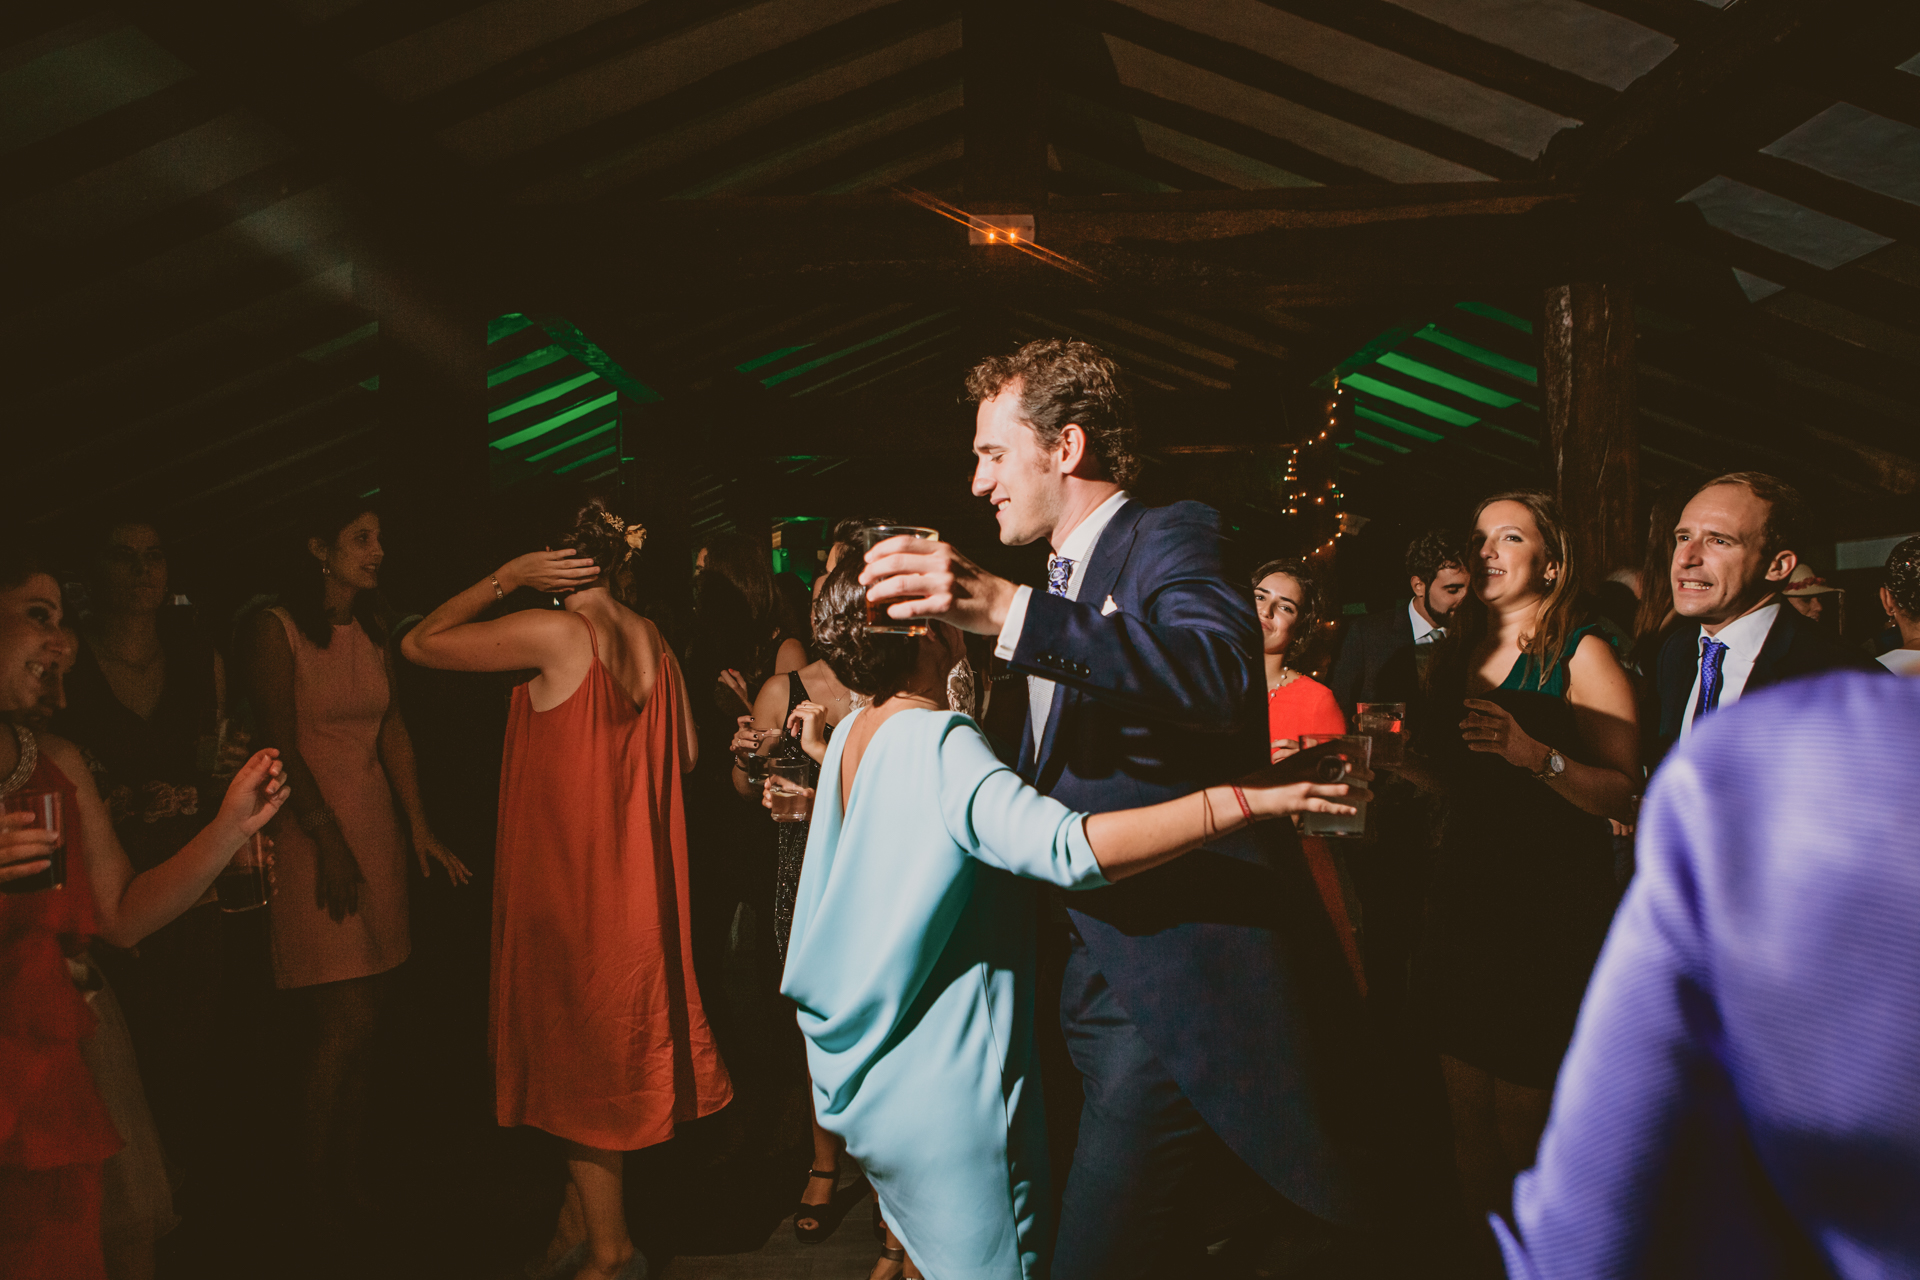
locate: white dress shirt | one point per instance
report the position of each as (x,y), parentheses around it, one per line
(1743,638)
(1424,632)
(1902,662)
(1078,547)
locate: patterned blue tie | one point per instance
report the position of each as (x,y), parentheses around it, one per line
(1711,655)
(1059,574)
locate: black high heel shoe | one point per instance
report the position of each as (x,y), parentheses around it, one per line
(821,1215)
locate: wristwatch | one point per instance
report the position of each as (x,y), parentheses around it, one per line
(1551,768)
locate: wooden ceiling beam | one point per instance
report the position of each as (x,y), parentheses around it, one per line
(1862,292)
(1255,144)
(1437,45)
(1723,94)
(1244,66)
(738,82)
(1005,156)
(1881,214)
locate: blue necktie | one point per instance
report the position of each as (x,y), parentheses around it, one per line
(1711,655)
(1059,574)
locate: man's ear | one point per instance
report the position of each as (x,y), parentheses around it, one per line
(1417,585)
(1782,567)
(1071,451)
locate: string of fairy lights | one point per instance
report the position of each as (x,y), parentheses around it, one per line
(1309,485)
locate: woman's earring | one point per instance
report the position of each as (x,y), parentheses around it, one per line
(325,572)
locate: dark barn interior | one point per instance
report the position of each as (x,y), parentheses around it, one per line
(1365,261)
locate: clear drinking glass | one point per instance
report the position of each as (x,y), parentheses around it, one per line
(877,619)
(243,885)
(1386,724)
(1357,747)
(792,790)
(48,815)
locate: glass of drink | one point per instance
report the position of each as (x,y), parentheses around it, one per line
(877,619)
(47,816)
(792,790)
(1386,724)
(754,763)
(1357,748)
(243,885)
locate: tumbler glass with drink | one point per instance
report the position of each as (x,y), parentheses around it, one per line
(792,782)
(1357,748)
(46,808)
(1386,724)
(877,616)
(243,885)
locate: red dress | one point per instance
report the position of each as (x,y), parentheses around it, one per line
(54,1129)
(1307,707)
(597,1031)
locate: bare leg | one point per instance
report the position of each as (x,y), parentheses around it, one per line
(344,1017)
(597,1177)
(568,1230)
(1476,1141)
(887,1267)
(1520,1116)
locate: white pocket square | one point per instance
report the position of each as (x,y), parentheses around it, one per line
(1109,607)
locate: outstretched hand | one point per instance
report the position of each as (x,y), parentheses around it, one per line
(931,580)
(1309,782)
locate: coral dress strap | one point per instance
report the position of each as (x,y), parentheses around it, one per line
(592,639)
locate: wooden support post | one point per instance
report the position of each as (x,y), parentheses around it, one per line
(1006,150)
(1587,377)
(432,402)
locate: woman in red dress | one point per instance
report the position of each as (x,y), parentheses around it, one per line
(55,1132)
(1288,599)
(597,1031)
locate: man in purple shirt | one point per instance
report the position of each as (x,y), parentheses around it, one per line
(1742,1097)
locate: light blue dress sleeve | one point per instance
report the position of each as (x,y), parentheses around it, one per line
(1000,820)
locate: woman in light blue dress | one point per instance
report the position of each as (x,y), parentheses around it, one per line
(912,952)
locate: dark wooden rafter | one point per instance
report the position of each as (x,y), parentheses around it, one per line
(811,54)
(1005,159)
(1244,66)
(796,129)
(1726,93)
(882,153)
(1881,214)
(1256,144)
(1402,31)
(1862,292)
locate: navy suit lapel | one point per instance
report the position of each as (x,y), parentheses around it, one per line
(1109,557)
(1769,664)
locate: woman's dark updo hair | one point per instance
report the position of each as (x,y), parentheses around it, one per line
(874,664)
(303,593)
(598,532)
(1313,607)
(20,559)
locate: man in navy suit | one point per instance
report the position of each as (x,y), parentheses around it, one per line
(1206,1003)
(1379,658)
(1734,549)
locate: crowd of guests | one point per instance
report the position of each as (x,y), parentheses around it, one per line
(1226,980)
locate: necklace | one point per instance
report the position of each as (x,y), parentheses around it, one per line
(1287,676)
(29,756)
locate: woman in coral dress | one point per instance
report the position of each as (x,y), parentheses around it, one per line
(597,1031)
(56,1132)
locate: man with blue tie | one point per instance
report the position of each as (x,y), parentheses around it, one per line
(1205,1004)
(1734,549)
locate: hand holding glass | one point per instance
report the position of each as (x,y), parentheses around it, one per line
(877,617)
(1358,750)
(44,808)
(1385,723)
(791,791)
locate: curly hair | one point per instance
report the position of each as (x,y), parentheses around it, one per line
(1434,550)
(1313,607)
(868,662)
(595,530)
(1903,576)
(1064,381)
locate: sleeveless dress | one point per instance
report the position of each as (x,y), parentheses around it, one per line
(1524,891)
(1301,708)
(597,1032)
(791,840)
(340,697)
(55,1131)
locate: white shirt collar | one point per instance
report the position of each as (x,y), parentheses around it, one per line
(1745,634)
(1422,629)
(1079,544)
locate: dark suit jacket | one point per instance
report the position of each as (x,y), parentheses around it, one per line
(1794,647)
(1223,959)
(1376,660)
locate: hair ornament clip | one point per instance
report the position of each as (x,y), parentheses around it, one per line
(636,537)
